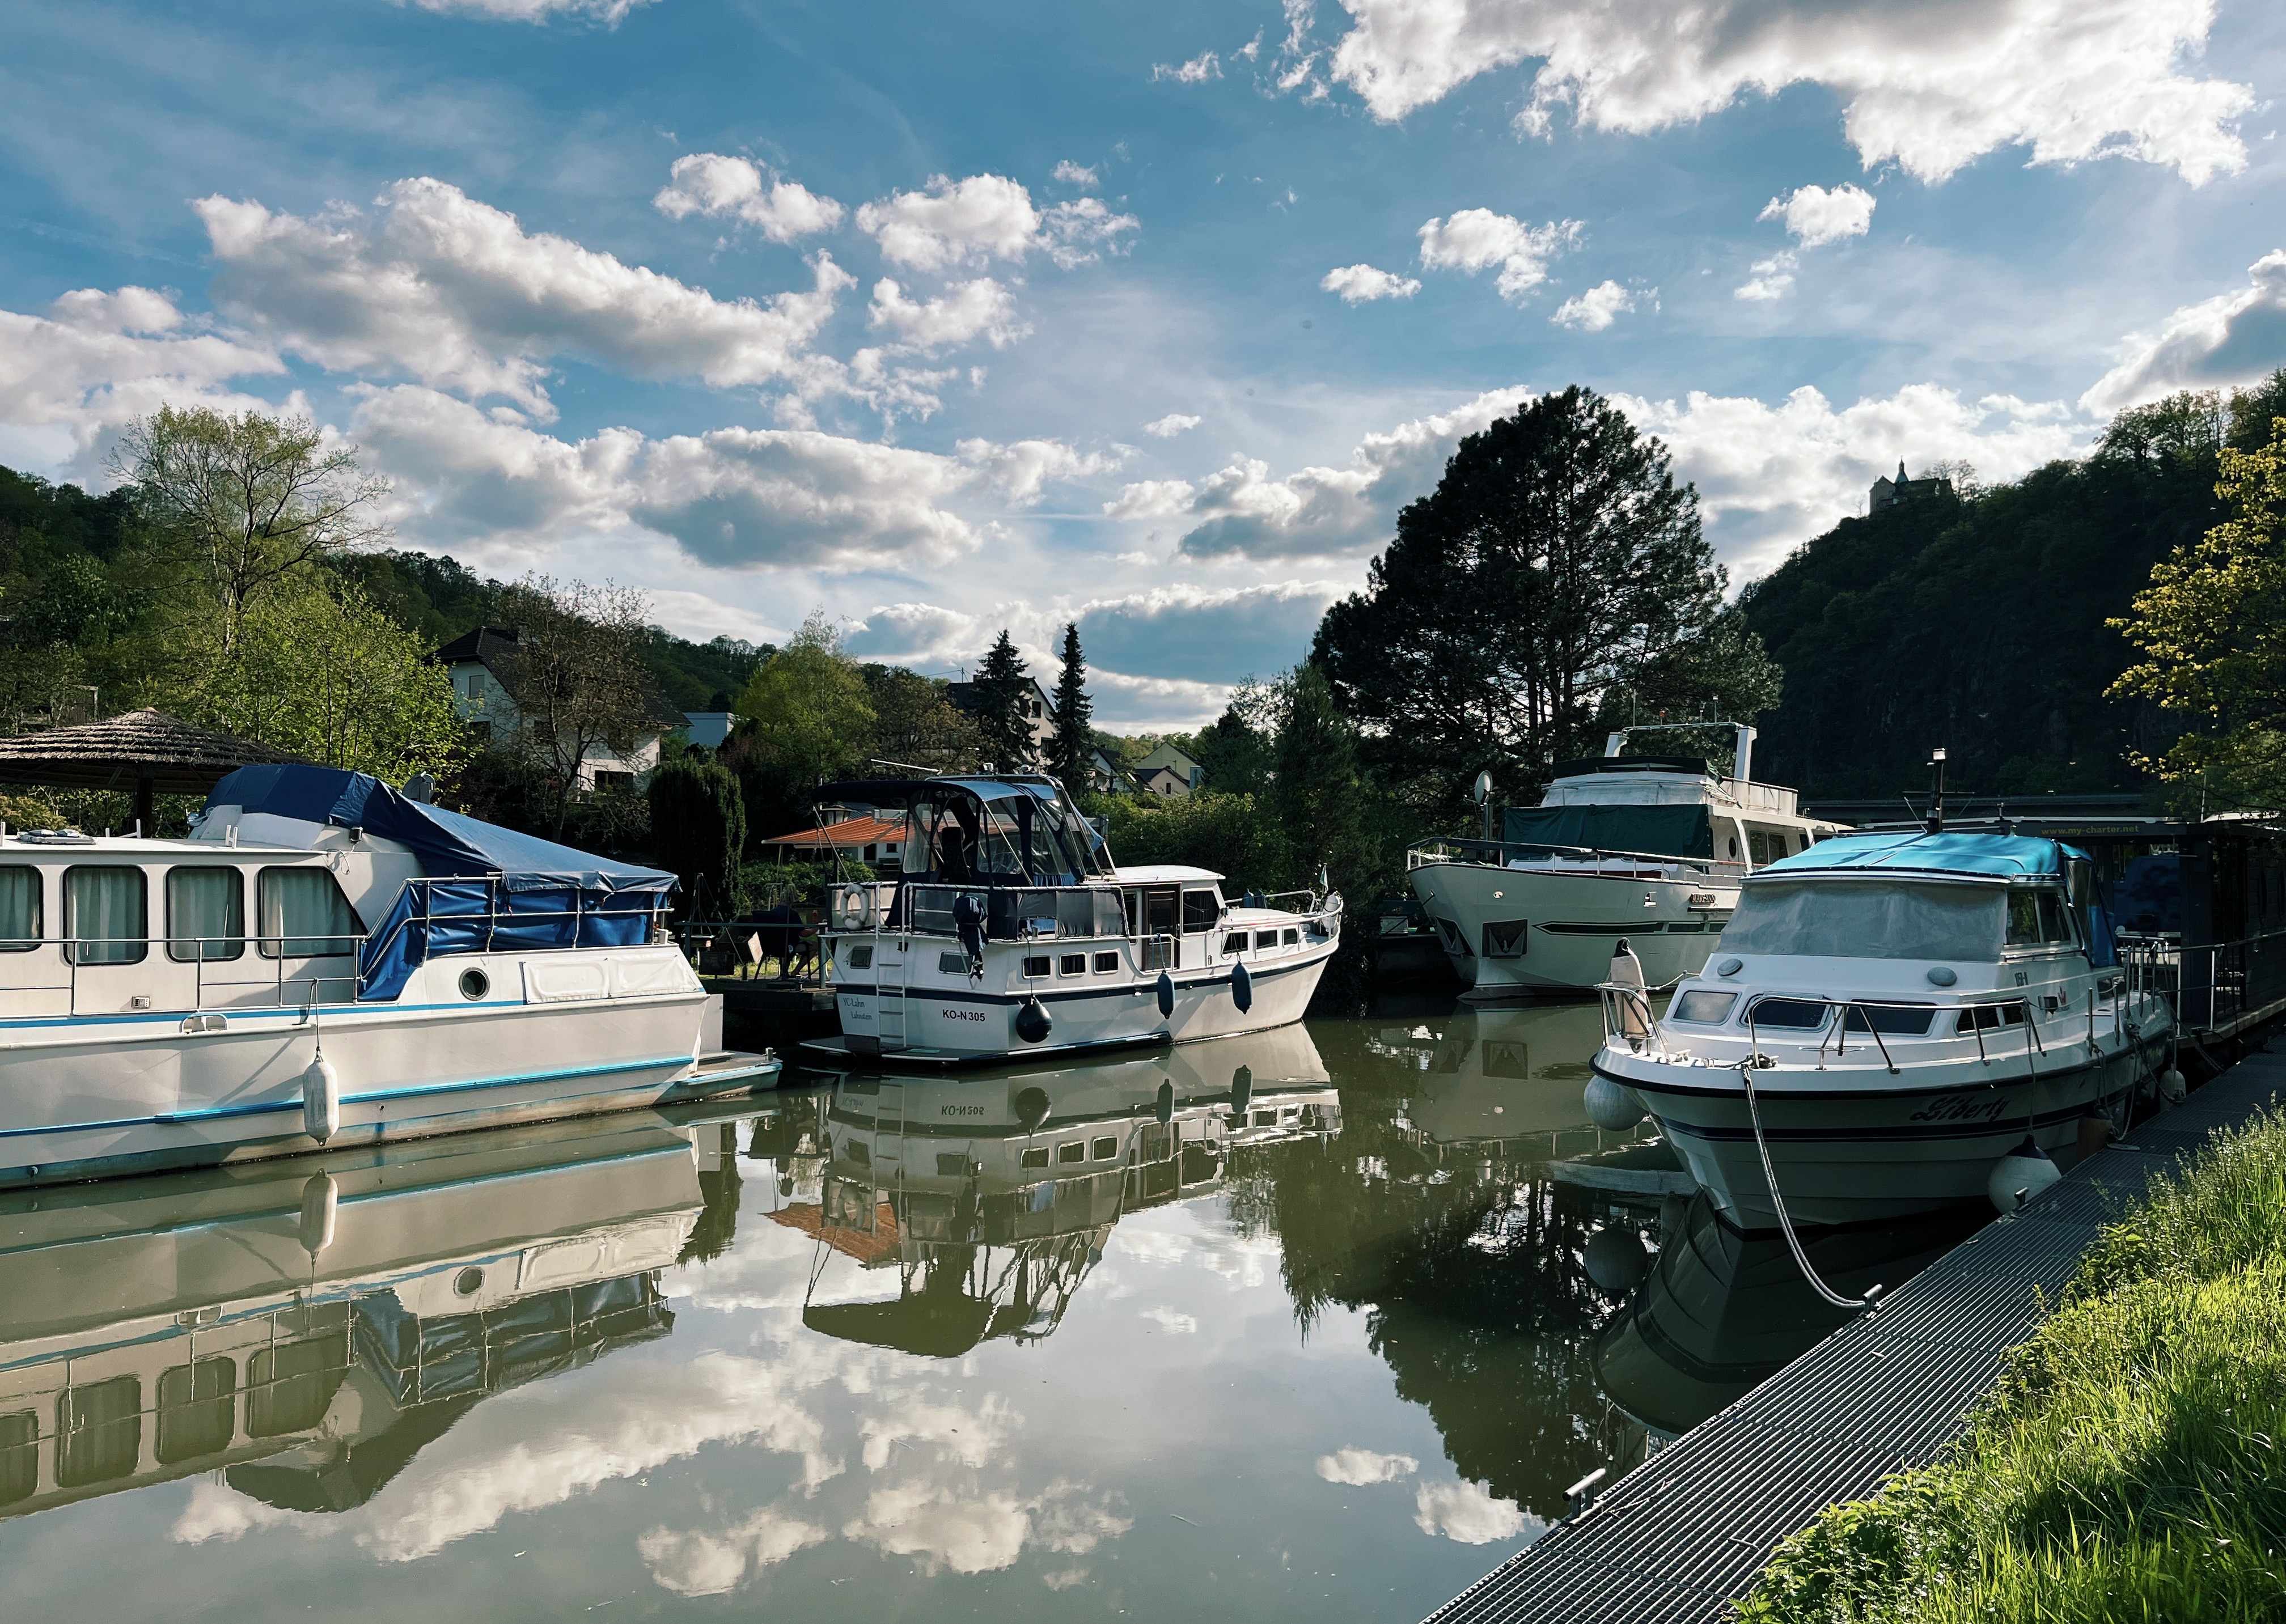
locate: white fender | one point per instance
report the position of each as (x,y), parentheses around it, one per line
(2021,1177)
(2171,1086)
(1611,1108)
(321,1201)
(322,1100)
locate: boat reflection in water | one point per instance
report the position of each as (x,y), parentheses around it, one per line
(1489,1074)
(975,1205)
(1722,1312)
(305,1327)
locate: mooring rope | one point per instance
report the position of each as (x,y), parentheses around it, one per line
(1770,1174)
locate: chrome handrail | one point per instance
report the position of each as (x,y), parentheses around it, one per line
(1423,852)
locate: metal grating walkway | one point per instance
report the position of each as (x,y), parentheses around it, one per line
(1693,1525)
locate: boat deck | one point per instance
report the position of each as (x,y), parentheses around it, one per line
(1692,1525)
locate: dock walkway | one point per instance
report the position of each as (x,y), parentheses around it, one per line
(1693,1525)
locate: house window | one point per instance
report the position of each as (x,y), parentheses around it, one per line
(607,780)
(20,909)
(105,915)
(206,915)
(304,915)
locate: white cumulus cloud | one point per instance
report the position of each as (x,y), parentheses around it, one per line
(710,184)
(1198,70)
(1359,1467)
(691,1562)
(1470,1513)
(1474,239)
(951,223)
(1075,174)
(1815,217)
(1172,424)
(1359,284)
(1596,309)
(2232,338)
(1770,277)
(1932,84)
(69,378)
(458,295)
(965,311)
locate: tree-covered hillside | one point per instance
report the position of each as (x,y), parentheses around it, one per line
(1977,622)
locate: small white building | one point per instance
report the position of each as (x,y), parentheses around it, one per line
(482,665)
(1035,710)
(1169,770)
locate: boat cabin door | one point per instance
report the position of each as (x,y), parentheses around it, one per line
(117,966)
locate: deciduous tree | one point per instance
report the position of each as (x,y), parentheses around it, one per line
(253,500)
(1556,556)
(576,675)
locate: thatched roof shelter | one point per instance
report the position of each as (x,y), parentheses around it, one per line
(146,750)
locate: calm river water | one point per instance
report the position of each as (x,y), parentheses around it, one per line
(1292,1326)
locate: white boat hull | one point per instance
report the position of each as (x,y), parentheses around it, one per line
(1571,922)
(939,1018)
(558,1034)
(1854,1144)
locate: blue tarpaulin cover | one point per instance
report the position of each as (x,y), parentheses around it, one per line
(488,887)
(2000,855)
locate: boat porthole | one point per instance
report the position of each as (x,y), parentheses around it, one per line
(475,984)
(1729,966)
(468,1282)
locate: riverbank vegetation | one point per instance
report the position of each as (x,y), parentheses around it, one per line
(2127,1467)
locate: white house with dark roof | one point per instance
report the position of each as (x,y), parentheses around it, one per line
(482,665)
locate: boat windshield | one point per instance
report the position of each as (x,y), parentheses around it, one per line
(1855,918)
(979,831)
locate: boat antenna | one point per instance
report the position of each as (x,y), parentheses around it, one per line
(1936,805)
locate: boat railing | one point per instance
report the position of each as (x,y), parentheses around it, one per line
(1498,853)
(2130,991)
(2225,987)
(197,954)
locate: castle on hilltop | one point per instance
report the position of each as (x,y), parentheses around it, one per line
(1901,489)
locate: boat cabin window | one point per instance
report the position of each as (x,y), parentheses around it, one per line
(106,915)
(99,1425)
(198,1409)
(1233,944)
(1035,1155)
(1152,912)
(304,915)
(20,909)
(1290,938)
(1106,963)
(2024,920)
(1890,1022)
(1037,964)
(19,1456)
(1072,964)
(1986,1017)
(1202,910)
(979,831)
(1704,1008)
(1075,1151)
(206,915)
(1785,1014)
(2055,919)
(1265,939)
(1880,918)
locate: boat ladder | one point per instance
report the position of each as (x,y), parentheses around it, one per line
(890,977)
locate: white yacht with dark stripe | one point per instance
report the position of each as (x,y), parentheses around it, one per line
(1910,1009)
(1012,933)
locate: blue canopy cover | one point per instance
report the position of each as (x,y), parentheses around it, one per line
(485,888)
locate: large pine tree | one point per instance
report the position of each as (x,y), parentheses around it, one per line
(1074,743)
(1003,697)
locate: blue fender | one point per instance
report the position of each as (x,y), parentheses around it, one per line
(1241,989)
(1166,996)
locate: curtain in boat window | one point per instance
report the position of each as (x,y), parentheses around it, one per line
(1849,919)
(304,915)
(104,914)
(206,914)
(20,909)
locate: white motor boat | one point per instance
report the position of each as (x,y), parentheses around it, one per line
(1887,1019)
(1648,848)
(1011,934)
(325,961)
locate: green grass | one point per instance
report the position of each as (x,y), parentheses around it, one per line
(2128,1465)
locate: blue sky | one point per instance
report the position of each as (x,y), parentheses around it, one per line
(944,319)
